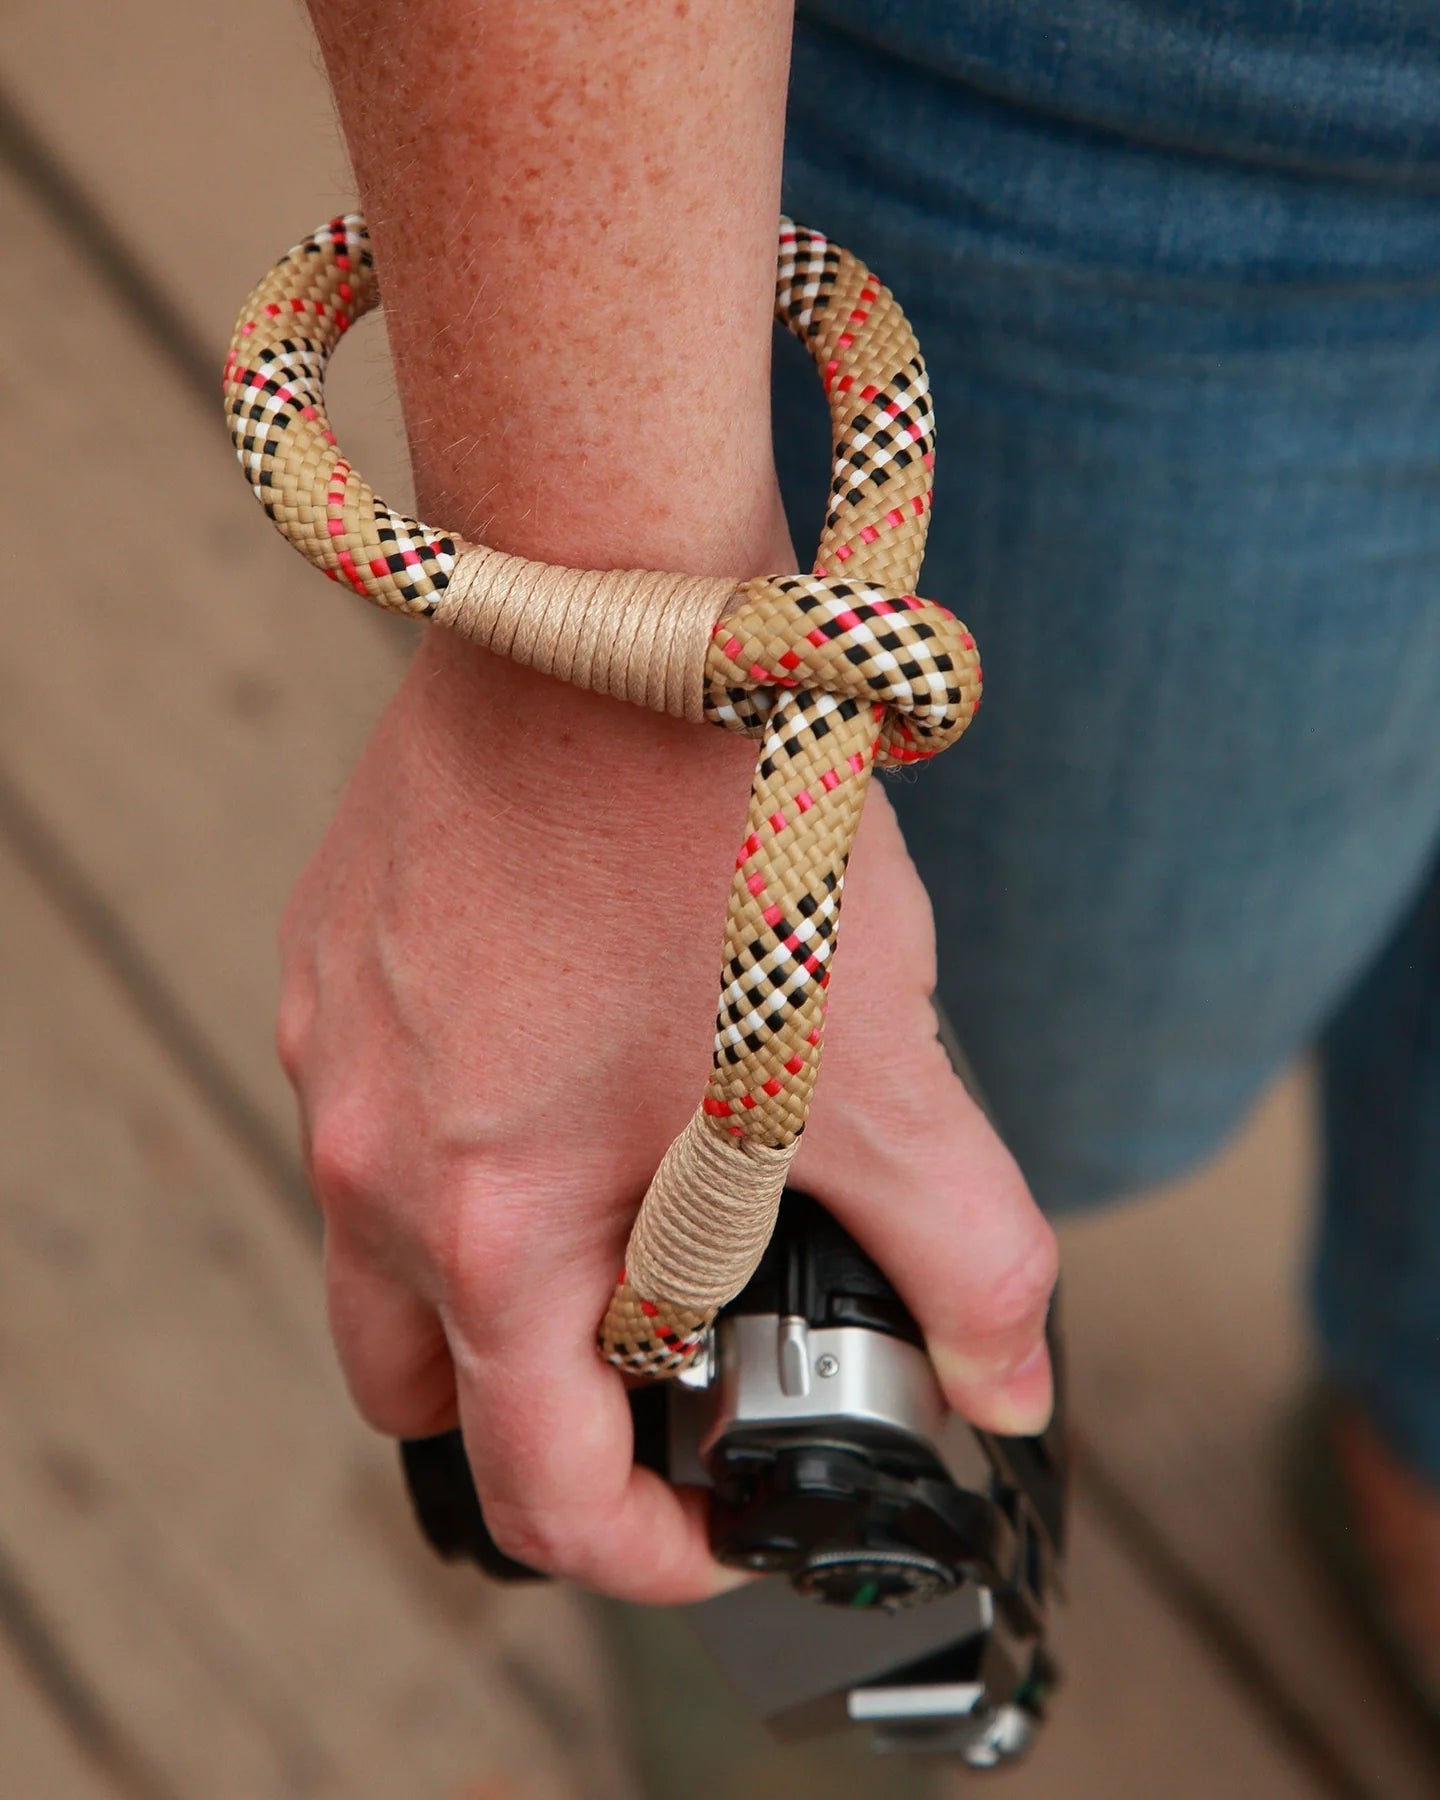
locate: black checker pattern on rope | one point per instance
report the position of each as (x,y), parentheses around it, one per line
(804,278)
(259,416)
(765,980)
(890,431)
(814,720)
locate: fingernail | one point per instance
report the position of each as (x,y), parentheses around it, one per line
(1017,1402)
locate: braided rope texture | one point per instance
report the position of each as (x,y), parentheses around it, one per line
(834,673)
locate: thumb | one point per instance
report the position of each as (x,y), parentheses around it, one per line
(910,1166)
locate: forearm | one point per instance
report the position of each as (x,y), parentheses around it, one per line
(573,210)
(499,968)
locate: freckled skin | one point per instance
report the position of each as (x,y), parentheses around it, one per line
(573,208)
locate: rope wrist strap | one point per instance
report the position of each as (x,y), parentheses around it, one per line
(832,672)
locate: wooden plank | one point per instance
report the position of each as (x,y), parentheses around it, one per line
(220,1546)
(270,681)
(39,1752)
(1190,1353)
(208,138)
(1142,1715)
(207,135)
(220,689)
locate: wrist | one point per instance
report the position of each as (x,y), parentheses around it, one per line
(493,723)
(561,763)
(591,522)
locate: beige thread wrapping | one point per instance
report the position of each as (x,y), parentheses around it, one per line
(710,1208)
(832,673)
(628,633)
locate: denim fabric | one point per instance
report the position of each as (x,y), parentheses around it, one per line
(1182,318)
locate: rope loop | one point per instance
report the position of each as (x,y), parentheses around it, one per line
(834,673)
(855,641)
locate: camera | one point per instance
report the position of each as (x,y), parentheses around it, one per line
(915,1562)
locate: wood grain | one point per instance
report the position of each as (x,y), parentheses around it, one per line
(182,711)
(180,715)
(1191,1353)
(41,1751)
(1143,1714)
(220,1546)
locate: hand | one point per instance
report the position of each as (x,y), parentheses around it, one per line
(498,998)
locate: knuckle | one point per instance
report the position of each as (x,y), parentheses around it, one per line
(485,1308)
(1014,1303)
(345,1152)
(379,1404)
(541,1539)
(399,1410)
(486,1261)
(292,1032)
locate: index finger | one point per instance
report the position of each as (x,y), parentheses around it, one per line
(548,1432)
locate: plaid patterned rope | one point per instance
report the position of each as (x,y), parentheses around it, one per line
(833,673)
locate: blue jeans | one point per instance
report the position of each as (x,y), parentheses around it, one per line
(1181,308)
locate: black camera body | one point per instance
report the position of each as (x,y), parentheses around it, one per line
(922,1557)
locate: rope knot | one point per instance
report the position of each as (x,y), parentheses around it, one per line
(654,639)
(845,641)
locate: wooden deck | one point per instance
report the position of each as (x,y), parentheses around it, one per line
(208,1584)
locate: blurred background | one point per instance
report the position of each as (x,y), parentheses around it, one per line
(209,1583)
